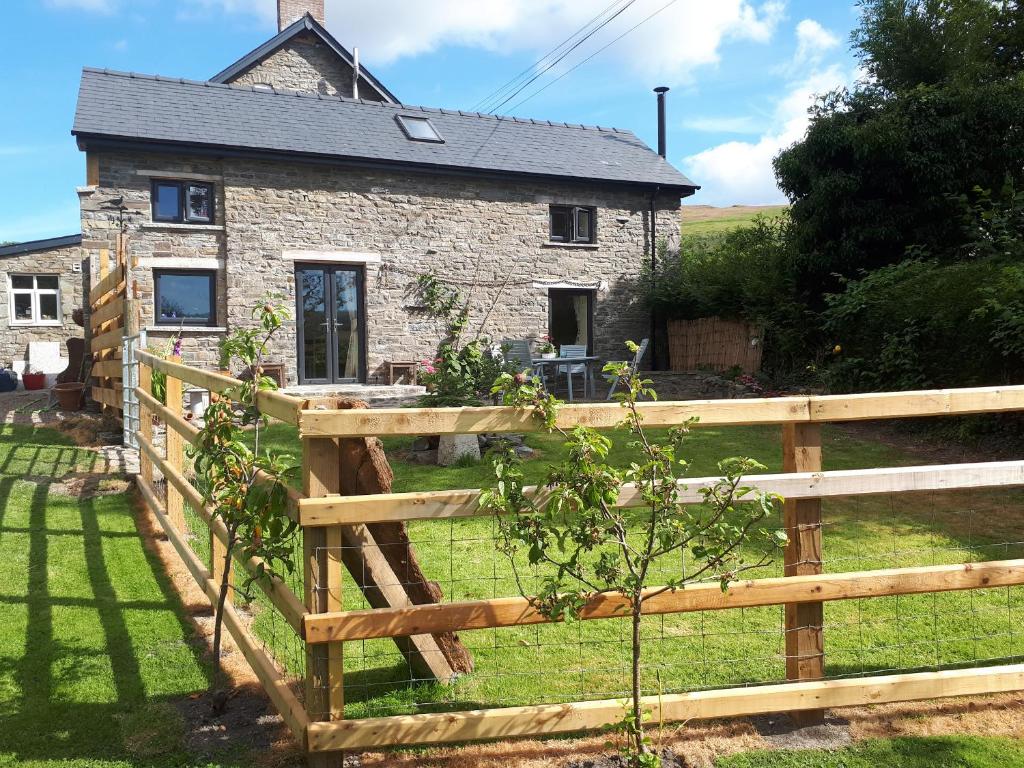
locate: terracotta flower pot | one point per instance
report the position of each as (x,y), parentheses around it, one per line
(69,395)
(34,380)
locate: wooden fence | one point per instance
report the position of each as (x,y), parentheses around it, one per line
(317,718)
(108,302)
(715,344)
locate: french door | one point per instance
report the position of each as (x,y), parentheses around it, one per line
(331,324)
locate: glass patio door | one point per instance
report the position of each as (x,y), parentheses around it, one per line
(330,324)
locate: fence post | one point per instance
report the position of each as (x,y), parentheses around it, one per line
(145,422)
(805,650)
(321,550)
(175,451)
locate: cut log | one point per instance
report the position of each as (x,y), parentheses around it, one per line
(381,559)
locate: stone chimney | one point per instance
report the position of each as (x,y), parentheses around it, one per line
(290,11)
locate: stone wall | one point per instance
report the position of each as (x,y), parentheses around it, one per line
(14,339)
(154,245)
(395,226)
(308,65)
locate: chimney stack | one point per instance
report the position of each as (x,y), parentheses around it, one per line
(661,90)
(290,11)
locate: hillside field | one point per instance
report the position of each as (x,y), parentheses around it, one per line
(707,219)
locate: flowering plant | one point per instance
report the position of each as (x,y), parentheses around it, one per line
(545,345)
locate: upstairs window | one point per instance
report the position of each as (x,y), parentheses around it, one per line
(573,224)
(35,300)
(182,202)
(419,129)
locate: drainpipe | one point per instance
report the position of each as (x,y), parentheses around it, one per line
(654,273)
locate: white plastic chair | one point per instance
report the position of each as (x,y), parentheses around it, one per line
(570,351)
(635,365)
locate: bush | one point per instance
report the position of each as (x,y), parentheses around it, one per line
(746,274)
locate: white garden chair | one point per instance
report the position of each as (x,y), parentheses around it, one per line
(613,381)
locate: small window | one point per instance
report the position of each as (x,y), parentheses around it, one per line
(419,128)
(573,224)
(185,297)
(35,300)
(182,202)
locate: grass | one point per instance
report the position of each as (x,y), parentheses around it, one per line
(95,650)
(931,752)
(702,220)
(94,647)
(577,661)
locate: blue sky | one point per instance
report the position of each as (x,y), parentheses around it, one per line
(742,74)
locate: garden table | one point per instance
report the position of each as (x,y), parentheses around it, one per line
(541,364)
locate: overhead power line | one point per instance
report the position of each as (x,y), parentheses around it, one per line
(499,92)
(574,46)
(591,56)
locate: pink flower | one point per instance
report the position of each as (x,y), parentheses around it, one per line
(176,351)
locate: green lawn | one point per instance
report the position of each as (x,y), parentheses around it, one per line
(704,221)
(95,653)
(93,643)
(578,661)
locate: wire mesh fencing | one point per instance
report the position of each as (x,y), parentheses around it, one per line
(586,660)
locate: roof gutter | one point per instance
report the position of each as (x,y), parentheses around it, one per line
(98,142)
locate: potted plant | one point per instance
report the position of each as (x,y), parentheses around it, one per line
(546,347)
(33,379)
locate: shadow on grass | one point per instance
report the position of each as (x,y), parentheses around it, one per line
(66,710)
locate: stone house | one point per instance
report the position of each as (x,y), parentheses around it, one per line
(295,171)
(42,285)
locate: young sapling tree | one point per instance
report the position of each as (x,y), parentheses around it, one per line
(243,484)
(580,542)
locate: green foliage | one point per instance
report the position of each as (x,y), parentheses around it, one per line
(882,167)
(462,372)
(587,544)
(926,322)
(750,273)
(246,486)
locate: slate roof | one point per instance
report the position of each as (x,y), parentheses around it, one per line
(143,109)
(305,24)
(33,246)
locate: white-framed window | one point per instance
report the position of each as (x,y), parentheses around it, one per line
(35,300)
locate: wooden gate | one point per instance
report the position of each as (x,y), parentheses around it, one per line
(107,319)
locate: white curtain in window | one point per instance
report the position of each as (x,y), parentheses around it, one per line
(579,305)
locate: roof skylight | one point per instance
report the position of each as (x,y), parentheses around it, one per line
(419,128)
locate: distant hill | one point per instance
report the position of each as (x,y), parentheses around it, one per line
(705,219)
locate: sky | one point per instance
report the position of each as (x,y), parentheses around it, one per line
(742,74)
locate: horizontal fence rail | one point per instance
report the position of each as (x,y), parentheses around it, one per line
(334,526)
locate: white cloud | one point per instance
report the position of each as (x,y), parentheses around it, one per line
(740,172)
(686,35)
(724,124)
(94,6)
(812,42)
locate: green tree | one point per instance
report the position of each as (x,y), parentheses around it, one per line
(244,483)
(582,543)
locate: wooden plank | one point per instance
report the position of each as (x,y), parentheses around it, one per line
(517,611)
(321,475)
(109,340)
(273,682)
(933,402)
(333,541)
(107,284)
(175,452)
(445,727)
(286,602)
(780,410)
(145,430)
(446,421)
(105,396)
(109,311)
(426,505)
(277,404)
(108,369)
(805,650)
